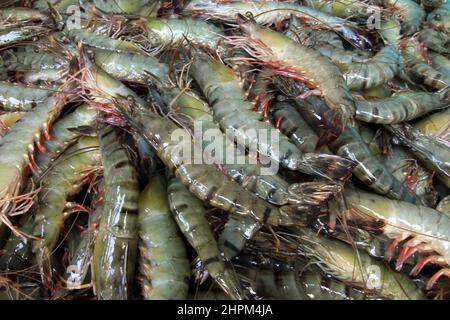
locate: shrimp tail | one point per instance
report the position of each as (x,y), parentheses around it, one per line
(328,166)
(312,193)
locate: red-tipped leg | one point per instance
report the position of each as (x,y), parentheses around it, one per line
(391,249)
(409,249)
(439,260)
(436,276)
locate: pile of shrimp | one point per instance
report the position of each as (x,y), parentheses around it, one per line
(329,122)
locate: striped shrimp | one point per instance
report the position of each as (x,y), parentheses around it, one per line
(277,278)
(64,132)
(344,263)
(190,216)
(401,107)
(32,67)
(235,116)
(379,69)
(435,40)
(235,234)
(343,8)
(73,169)
(417,70)
(17,250)
(163,260)
(310,37)
(400,162)
(116,244)
(272,12)
(426,228)
(18,97)
(390,30)
(304,64)
(368,169)
(439,18)
(17,150)
(434,153)
(435,125)
(440,63)
(411,14)
(359,70)
(205,181)
(80,259)
(289,121)
(271,187)
(161,33)
(99,40)
(135,68)
(143,8)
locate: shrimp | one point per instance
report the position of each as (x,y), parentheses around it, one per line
(300,282)
(380,69)
(64,179)
(163,260)
(435,125)
(270,187)
(401,107)
(418,71)
(10,36)
(162,33)
(432,152)
(32,67)
(139,7)
(403,167)
(17,254)
(344,8)
(17,150)
(101,41)
(368,169)
(289,121)
(80,260)
(390,29)
(191,219)
(411,14)
(234,115)
(235,234)
(439,18)
(304,64)
(435,40)
(346,264)
(205,181)
(310,37)
(64,132)
(135,68)
(16,97)
(271,12)
(116,244)
(427,228)
(440,63)
(22,15)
